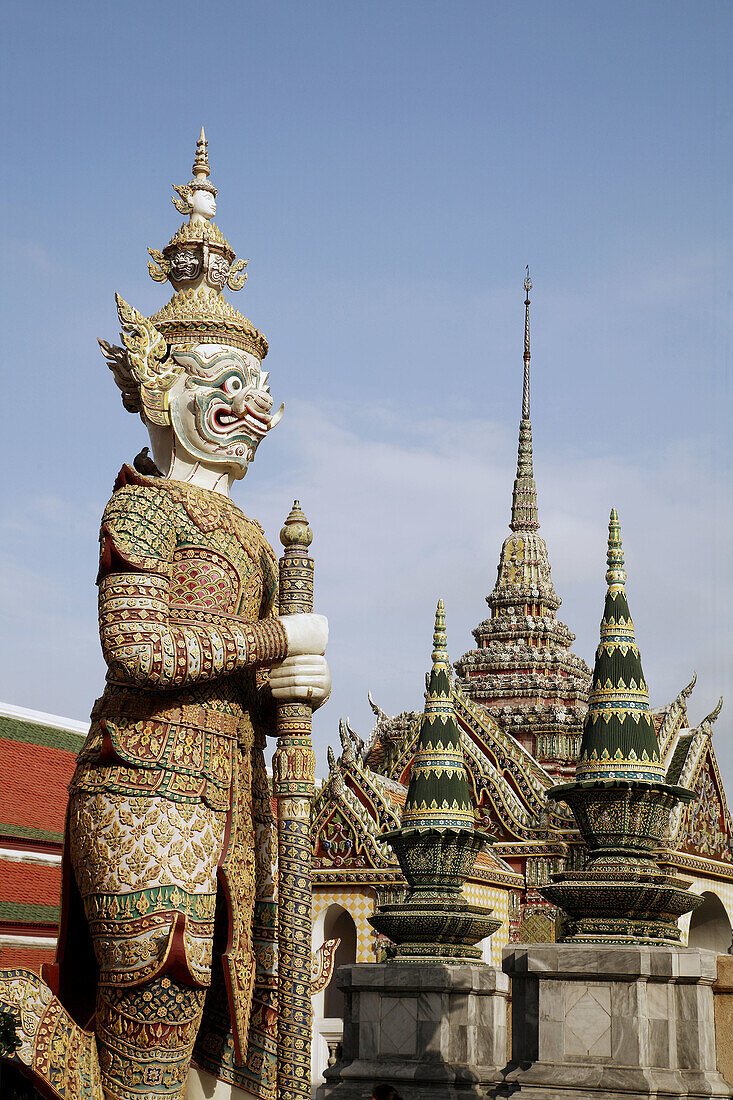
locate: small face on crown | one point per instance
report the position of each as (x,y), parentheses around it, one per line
(185,265)
(218,271)
(221,407)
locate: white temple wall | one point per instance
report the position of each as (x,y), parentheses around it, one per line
(497,899)
(722,890)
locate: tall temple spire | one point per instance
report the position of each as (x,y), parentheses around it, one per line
(437,842)
(620,799)
(523,671)
(524,496)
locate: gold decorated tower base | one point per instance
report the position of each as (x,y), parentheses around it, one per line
(438,843)
(620,800)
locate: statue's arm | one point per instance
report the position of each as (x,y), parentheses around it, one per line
(147,642)
(144,643)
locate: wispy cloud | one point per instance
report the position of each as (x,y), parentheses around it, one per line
(404,514)
(405,511)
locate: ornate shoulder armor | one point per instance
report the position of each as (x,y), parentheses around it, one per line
(138,529)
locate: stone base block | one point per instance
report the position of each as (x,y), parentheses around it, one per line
(591,1021)
(434,1032)
(723,1000)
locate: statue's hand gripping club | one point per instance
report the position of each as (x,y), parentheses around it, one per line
(304,675)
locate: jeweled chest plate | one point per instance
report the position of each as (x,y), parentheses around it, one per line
(202,578)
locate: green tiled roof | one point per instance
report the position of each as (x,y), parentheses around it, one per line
(31,733)
(29,914)
(27,833)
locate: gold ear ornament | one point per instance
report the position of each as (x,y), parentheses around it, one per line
(147,354)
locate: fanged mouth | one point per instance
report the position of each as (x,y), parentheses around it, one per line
(222,421)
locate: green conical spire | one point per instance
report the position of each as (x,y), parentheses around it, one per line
(439,795)
(619,739)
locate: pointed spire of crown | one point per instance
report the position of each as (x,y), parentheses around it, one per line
(200,182)
(619,739)
(438,795)
(201,163)
(524,495)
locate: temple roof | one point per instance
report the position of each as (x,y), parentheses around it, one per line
(366,789)
(38,756)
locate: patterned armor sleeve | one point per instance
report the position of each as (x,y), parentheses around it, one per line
(265,710)
(148,641)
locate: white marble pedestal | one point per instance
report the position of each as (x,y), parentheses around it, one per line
(434,1032)
(613,1022)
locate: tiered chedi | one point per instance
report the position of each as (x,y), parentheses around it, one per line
(620,799)
(523,671)
(437,843)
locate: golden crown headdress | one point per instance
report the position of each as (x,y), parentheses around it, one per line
(199,262)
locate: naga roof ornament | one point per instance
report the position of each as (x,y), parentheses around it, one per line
(619,738)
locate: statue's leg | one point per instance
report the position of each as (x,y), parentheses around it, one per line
(146,870)
(145,1039)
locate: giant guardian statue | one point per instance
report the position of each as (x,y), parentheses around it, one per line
(169,935)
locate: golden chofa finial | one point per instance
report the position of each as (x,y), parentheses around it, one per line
(201,164)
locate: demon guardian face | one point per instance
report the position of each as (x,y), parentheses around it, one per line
(221,406)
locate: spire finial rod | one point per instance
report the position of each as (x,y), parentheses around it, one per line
(524,497)
(525,392)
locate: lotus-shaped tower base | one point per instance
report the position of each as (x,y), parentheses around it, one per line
(434,922)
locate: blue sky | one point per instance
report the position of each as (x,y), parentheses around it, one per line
(389,169)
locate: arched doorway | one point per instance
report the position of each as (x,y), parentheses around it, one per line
(710,926)
(338,924)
